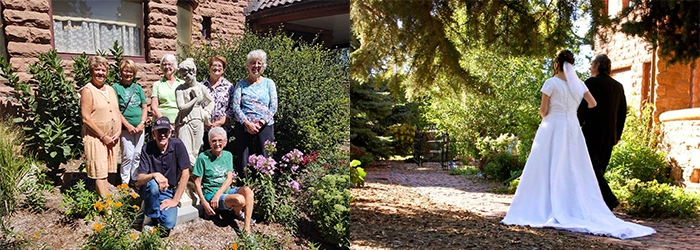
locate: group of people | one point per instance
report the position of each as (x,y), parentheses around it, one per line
(562,185)
(191,129)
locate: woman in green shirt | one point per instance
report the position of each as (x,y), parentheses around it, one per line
(132,105)
(163,101)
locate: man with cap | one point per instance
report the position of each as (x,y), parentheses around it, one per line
(162,161)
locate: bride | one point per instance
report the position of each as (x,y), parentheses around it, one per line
(558,187)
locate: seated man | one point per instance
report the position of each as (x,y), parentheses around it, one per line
(213,173)
(161,161)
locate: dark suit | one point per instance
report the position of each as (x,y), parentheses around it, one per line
(602,126)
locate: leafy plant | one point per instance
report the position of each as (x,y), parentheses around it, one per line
(79,201)
(635,161)
(660,200)
(17,172)
(466,170)
(48,97)
(330,209)
(500,166)
(357,174)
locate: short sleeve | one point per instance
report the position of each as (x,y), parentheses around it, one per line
(142,95)
(145,162)
(154,89)
(198,169)
(548,87)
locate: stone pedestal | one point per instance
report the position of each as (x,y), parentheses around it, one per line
(187,210)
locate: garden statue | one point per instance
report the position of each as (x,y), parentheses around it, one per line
(190,121)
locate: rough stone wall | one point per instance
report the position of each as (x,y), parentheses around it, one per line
(627,55)
(682,143)
(28,32)
(673,87)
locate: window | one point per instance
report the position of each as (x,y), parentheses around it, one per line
(206,28)
(184,28)
(92,25)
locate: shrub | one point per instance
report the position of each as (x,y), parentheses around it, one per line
(312,86)
(635,161)
(654,200)
(330,209)
(79,201)
(499,166)
(357,174)
(466,170)
(49,112)
(16,172)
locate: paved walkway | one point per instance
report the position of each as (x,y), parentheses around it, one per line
(475,194)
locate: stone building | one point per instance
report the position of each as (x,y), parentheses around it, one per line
(672,89)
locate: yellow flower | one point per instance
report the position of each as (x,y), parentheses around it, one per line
(234,246)
(136,207)
(118,204)
(109,201)
(123,186)
(109,195)
(133,236)
(98,205)
(97,227)
(134,195)
(154,229)
(36,236)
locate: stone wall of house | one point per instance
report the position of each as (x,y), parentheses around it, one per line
(681,140)
(627,56)
(28,33)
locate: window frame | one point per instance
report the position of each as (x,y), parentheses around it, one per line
(136,59)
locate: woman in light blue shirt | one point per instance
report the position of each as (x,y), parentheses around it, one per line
(254,103)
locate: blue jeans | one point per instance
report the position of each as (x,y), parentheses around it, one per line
(152,197)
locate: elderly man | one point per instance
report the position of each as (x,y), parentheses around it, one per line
(162,160)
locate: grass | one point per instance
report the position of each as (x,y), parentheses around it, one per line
(466,170)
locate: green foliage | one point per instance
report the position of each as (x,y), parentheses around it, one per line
(501,166)
(511,107)
(50,111)
(312,86)
(418,40)
(466,170)
(654,200)
(112,230)
(330,203)
(357,174)
(116,53)
(79,201)
(503,143)
(640,162)
(254,241)
(17,173)
(639,130)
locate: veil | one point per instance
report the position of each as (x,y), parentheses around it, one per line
(576,86)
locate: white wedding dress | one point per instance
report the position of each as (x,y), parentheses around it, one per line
(558,187)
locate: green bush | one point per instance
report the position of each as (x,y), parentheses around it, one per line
(466,170)
(654,200)
(312,86)
(79,201)
(635,161)
(49,112)
(499,166)
(330,209)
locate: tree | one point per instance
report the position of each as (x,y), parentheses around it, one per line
(671,26)
(425,40)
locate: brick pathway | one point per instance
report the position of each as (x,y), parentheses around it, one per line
(475,194)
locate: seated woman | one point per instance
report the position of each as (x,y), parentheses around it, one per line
(213,172)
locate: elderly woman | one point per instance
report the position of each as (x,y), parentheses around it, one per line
(101,125)
(192,116)
(213,172)
(254,103)
(132,106)
(163,101)
(219,87)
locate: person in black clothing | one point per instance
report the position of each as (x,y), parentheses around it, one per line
(602,126)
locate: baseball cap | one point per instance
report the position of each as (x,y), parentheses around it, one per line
(162,123)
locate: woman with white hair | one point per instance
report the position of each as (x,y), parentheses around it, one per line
(163,101)
(254,102)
